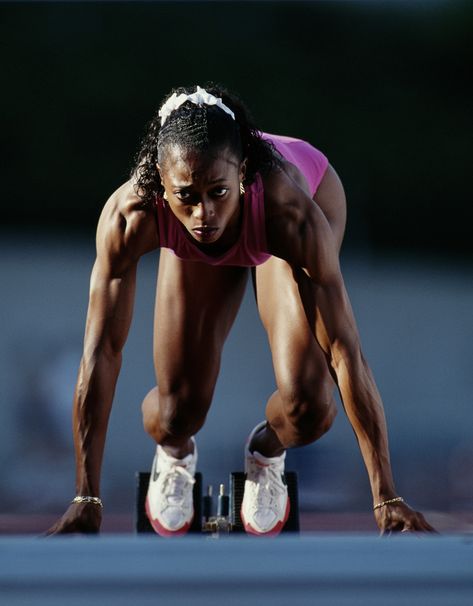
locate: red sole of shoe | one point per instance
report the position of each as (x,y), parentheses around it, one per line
(274,531)
(165,532)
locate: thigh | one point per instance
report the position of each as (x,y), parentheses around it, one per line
(287,306)
(287,298)
(196,305)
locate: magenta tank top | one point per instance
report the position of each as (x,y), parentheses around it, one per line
(250,249)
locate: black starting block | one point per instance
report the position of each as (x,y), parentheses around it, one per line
(226,521)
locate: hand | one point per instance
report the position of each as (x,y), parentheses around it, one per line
(82,518)
(399,517)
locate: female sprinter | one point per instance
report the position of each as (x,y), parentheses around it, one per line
(219,197)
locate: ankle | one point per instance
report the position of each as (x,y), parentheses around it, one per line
(179,451)
(266,442)
(269,453)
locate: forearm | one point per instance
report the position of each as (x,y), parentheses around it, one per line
(364,409)
(92,404)
(358,390)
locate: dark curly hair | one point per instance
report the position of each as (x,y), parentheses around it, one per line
(201,128)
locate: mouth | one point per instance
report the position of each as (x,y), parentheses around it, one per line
(204,232)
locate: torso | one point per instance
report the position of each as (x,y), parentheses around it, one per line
(303,164)
(132,229)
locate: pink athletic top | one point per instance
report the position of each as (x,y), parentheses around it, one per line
(250,249)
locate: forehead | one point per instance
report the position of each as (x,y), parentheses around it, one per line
(189,165)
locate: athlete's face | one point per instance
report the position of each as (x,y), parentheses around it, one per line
(203,191)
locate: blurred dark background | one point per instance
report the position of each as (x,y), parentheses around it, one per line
(383,88)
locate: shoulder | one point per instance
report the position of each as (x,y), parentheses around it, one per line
(295,223)
(285,194)
(126,229)
(286,207)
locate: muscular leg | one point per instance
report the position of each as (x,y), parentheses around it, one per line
(303,408)
(196,305)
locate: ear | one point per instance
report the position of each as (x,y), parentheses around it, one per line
(242,172)
(160,172)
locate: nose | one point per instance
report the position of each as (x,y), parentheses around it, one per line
(203,211)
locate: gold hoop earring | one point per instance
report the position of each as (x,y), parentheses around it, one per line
(242,188)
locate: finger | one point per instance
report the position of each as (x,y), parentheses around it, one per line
(392,528)
(426,527)
(398,526)
(61,527)
(419,526)
(430,528)
(422,525)
(407,528)
(51,531)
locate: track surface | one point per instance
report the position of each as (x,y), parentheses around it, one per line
(322,569)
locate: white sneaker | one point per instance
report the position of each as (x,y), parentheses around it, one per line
(169,502)
(265,507)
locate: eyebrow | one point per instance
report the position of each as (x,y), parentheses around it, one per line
(217,180)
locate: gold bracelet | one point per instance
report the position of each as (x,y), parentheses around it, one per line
(94,500)
(388,502)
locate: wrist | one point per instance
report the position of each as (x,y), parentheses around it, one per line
(387,502)
(382,486)
(384,495)
(88,499)
(87,486)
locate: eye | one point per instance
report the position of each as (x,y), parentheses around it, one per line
(182,195)
(219,192)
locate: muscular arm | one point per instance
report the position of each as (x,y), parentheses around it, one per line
(301,234)
(124,233)
(108,321)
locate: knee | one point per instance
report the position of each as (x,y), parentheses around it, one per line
(309,412)
(171,417)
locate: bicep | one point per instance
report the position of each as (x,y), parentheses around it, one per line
(300,233)
(317,246)
(333,304)
(298,229)
(110,311)
(112,289)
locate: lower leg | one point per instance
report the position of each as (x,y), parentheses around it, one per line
(283,431)
(265,440)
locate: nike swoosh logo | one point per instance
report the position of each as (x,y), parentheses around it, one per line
(154,473)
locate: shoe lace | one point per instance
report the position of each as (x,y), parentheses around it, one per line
(176,481)
(268,484)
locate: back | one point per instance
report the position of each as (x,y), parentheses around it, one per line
(310,161)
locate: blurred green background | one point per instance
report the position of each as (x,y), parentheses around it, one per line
(384,88)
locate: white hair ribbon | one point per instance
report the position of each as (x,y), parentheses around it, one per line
(200,97)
